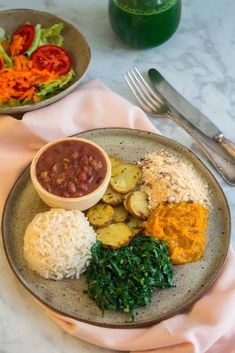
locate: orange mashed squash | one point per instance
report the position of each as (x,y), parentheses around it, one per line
(183,226)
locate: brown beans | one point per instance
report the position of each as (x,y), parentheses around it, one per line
(75,155)
(96,165)
(82,176)
(78,194)
(59,180)
(54,169)
(83,186)
(84,160)
(90,179)
(98,180)
(71,168)
(87,169)
(71,187)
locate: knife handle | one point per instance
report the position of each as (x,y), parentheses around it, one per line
(220,158)
(228,145)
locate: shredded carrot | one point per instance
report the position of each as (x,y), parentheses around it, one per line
(6,45)
(16,44)
(22,81)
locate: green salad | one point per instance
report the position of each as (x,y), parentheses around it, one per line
(33,64)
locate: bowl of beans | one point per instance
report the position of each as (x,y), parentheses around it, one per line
(71,173)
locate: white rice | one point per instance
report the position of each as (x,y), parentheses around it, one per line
(57,244)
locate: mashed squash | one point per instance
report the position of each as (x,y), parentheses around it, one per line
(183,226)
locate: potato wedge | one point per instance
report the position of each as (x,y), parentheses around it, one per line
(100,215)
(138,204)
(135,224)
(120,214)
(125,177)
(112,197)
(114,235)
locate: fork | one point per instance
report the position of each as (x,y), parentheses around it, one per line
(156,106)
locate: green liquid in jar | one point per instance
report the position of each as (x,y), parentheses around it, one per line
(144,24)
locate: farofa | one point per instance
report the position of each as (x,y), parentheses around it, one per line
(168,178)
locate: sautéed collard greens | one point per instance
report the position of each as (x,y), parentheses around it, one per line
(124,279)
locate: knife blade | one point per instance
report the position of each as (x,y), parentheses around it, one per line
(184,107)
(181,104)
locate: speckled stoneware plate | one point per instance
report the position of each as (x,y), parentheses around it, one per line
(67,296)
(74,42)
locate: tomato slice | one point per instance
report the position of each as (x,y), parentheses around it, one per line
(1,63)
(27,32)
(52,58)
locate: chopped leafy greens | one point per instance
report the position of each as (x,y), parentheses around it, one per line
(16,103)
(124,279)
(52,35)
(50,88)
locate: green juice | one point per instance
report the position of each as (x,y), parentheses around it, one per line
(144,23)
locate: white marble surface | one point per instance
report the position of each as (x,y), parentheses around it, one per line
(198,60)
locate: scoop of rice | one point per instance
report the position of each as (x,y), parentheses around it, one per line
(57,243)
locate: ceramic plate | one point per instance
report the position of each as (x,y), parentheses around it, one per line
(67,296)
(74,42)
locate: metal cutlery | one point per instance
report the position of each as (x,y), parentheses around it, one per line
(164,89)
(156,105)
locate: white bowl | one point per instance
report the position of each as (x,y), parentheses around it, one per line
(81,203)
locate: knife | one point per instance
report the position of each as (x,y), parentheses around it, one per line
(181,105)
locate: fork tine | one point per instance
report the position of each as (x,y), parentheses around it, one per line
(153,104)
(132,87)
(148,87)
(139,90)
(144,94)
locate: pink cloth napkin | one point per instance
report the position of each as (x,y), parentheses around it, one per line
(209,325)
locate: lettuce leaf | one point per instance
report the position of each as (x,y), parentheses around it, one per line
(16,103)
(50,88)
(52,35)
(5,57)
(2,34)
(7,60)
(36,40)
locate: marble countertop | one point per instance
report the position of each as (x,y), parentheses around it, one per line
(198,60)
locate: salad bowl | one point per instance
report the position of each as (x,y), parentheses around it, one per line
(74,43)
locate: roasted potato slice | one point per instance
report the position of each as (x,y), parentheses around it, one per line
(137,204)
(125,201)
(112,197)
(100,215)
(114,235)
(120,214)
(135,224)
(114,161)
(125,177)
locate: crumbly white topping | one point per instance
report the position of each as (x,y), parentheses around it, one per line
(167,177)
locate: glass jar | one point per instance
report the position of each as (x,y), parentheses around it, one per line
(144,23)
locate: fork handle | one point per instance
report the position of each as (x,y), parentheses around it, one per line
(221,160)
